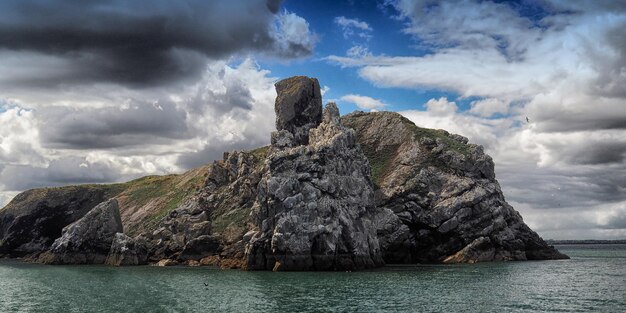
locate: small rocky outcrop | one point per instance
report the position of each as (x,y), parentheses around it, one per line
(314,204)
(88,240)
(447,203)
(31,222)
(126,251)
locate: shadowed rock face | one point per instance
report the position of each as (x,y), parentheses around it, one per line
(35,218)
(314,203)
(88,240)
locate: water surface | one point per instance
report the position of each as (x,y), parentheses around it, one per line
(594,280)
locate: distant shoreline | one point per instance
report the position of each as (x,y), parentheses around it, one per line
(585,241)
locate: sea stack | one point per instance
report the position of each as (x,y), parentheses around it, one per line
(314,205)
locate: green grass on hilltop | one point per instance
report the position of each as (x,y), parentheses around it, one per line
(435,134)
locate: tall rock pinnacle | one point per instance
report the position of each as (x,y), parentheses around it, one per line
(298,107)
(315,200)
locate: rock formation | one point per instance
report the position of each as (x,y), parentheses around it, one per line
(449,206)
(314,203)
(214,221)
(126,251)
(88,240)
(298,108)
(35,218)
(329,193)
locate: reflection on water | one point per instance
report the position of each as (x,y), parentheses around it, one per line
(592,281)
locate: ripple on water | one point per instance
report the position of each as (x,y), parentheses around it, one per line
(592,281)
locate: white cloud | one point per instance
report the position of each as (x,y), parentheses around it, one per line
(488,107)
(230,107)
(348,22)
(364,102)
(352,27)
(358,51)
(441,107)
(324,90)
(19,137)
(6,197)
(293,36)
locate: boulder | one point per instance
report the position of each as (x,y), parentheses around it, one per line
(298,107)
(88,240)
(126,251)
(200,247)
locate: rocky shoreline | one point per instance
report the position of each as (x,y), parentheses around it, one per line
(331,192)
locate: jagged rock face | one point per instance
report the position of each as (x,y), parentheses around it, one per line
(126,251)
(214,221)
(298,107)
(443,191)
(314,203)
(88,240)
(35,218)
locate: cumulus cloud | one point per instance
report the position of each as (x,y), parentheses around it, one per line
(488,107)
(138,43)
(19,137)
(364,102)
(230,107)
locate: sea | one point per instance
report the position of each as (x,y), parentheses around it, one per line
(593,280)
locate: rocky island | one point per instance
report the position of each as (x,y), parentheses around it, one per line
(330,192)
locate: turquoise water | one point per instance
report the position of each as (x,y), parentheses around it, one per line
(594,280)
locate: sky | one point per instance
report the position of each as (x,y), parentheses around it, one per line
(107,91)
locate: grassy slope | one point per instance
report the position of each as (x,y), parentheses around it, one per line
(142,201)
(146,200)
(382,157)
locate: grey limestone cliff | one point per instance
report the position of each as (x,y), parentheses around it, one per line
(314,205)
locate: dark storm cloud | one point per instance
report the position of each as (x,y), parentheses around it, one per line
(235,95)
(550,187)
(567,122)
(60,172)
(603,153)
(140,42)
(215,151)
(138,123)
(611,81)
